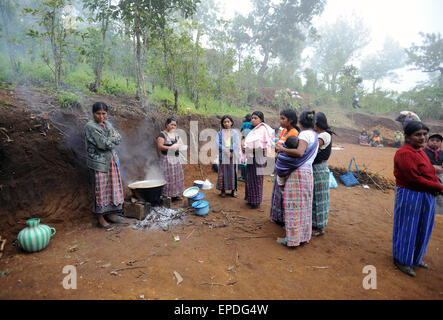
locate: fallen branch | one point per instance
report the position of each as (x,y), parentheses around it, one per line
(114,272)
(219,284)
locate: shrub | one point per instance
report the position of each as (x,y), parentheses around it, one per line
(68,100)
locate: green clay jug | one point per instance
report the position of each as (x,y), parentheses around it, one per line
(36,236)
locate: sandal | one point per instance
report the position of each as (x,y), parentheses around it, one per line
(223,195)
(281,241)
(108,227)
(318,232)
(234,195)
(408,270)
(423,265)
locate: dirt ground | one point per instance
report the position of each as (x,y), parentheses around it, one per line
(228,262)
(221,256)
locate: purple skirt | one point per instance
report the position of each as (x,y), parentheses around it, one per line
(253,184)
(172,170)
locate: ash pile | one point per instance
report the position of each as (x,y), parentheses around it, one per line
(161,218)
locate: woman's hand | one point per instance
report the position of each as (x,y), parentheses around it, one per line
(279,148)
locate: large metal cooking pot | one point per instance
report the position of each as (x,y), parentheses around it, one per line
(148,190)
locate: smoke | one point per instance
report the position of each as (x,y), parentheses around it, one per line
(139,159)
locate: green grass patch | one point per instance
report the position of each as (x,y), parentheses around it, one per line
(80,78)
(114,85)
(164,98)
(68,100)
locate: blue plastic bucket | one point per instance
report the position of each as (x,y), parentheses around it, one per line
(201,207)
(198,196)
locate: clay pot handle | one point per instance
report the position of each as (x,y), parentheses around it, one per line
(52,234)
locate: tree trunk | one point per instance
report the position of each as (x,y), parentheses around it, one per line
(263,68)
(195,67)
(175,99)
(165,60)
(101,57)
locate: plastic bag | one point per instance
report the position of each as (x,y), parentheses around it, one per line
(332,182)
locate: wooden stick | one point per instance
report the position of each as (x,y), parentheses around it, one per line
(190,233)
(128,268)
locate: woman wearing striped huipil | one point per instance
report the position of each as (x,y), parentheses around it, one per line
(298,189)
(228,143)
(415,191)
(320,202)
(104,166)
(288,121)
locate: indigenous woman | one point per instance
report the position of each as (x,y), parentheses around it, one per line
(414,206)
(168,144)
(257,142)
(104,166)
(228,142)
(298,190)
(320,204)
(288,121)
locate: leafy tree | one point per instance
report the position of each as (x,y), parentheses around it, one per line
(428,57)
(145,17)
(56,26)
(381,65)
(239,34)
(277,26)
(8,18)
(339,43)
(347,82)
(426,101)
(101,12)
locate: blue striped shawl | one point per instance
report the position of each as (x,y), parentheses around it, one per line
(286,164)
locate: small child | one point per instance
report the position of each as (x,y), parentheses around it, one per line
(290,143)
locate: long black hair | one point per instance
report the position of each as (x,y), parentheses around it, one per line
(322,122)
(259,114)
(226,117)
(290,114)
(307,119)
(99,106)
(414,126)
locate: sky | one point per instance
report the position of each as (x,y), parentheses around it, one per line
(400,19)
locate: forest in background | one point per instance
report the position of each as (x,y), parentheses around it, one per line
(179,55)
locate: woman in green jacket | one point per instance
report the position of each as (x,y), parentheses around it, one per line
(104,166)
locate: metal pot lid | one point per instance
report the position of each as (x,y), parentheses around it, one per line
(147,184)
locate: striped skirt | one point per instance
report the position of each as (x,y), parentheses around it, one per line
(253,183)
(414,215)
(172,171)
(297,203)
(277,211)
(227,176)
(320,203)
(439,198)
(107,190)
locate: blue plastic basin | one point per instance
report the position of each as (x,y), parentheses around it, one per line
(201,207)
